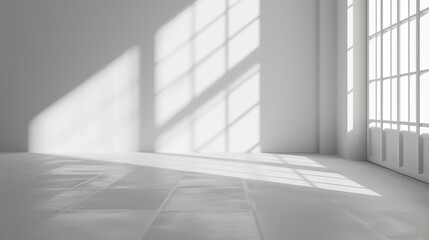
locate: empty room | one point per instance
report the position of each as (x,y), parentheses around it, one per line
(214,120)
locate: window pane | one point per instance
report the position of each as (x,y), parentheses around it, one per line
(394,93)
(413,45)
(413,98)
(371,59)
(403,47)
(378,16)
(386,54)
(424,98)
(394,51)
(424,4)
(372,100)
(394,11)
(413,7)
(350,27)
(424,42)
(386,13)
(378,64)
(378,95)
(350,70)
(403,9)
(371,17)
(386,100)
(403,99)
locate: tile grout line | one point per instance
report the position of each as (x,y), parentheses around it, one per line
(66,209)
(92,193)
(349,213)
(253,208)
(96,190)
(41,174)
(57,212)
(69,189)
(162,205)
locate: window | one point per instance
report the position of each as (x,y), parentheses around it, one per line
(398,65)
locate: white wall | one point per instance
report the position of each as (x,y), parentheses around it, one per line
(327,76)
(351,79)
(290,74)
(85,76)
(56,55)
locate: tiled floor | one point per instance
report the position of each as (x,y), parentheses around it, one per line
(230,196)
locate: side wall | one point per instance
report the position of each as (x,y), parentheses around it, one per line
(83,76)
(351,79)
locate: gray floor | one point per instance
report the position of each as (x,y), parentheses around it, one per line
(229,196)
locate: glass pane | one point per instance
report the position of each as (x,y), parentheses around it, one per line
(424,42)
(387,100)
(403,9)
(413,44)
(371,59)
(378,64)
(404,128)
(372,100)
(386,54)
(350,27)
(424,98)
(413,98)
(394,11)
(350,70)
(386,13)
(387,125)
(424,4)
(403,47)
(378,96)
(378,16)
(394,52)
(371,17)
(413,7)
(403,98)
(394,94)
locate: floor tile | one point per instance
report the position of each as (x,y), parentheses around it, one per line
(291,199)
(55,181)
(311,225)
(396,225)
(277,185)
(208,200)
(26,198)
(14,222)
(101,181)
(124,199)
(93,225)
(391,201)
(64,199)
(4,181)
(82,168)
(203,226)
(147,181)
(198,180)
(153,170)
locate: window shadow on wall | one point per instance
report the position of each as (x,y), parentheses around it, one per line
(182,78)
